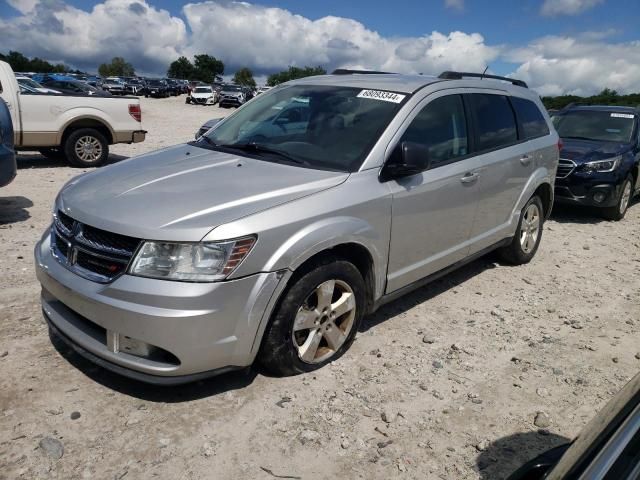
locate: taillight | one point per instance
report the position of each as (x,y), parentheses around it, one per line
(136,112)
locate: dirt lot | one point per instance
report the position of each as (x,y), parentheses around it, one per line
(444,383)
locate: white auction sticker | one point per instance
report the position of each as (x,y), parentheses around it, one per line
(381,95)
(622,115)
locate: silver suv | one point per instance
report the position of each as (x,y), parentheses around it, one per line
(278,230)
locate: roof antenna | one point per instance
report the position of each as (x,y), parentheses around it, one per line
(485,71)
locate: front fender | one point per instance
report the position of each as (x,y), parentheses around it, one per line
(328,233)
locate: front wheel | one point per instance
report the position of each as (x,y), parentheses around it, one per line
(316,320)
(618,211)
(525,242)
(86,147)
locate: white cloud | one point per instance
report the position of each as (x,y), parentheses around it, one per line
(578,65)
(567,7)
(54,30)
(270,39)
(454,4)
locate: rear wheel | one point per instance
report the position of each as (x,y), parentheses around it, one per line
(317,319)
(86,147)
(618,211)
(525,242)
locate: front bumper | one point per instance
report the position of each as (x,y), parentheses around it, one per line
(151,329)
(230,101)
(594,190)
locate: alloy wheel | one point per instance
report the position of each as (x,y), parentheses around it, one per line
(323,322)
(625,198)
(88,149)
(530,228)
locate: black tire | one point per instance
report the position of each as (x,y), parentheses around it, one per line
(618,211)
(52,153)
(515,253)
(278,354)
(86,135)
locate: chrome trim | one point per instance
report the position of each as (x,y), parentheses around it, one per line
(567,163)
(611,452)
(77,243)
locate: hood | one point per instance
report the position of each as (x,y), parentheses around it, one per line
(202,94)
(183,192)
(582,151)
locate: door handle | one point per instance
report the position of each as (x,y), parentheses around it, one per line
(525,160)
(470,177)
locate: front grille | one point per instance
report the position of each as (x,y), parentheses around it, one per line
(565,167)
(90,252)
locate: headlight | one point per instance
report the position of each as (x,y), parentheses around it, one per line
(608,165)
(192,262)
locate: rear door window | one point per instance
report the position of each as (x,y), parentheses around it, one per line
(441,127)
(494,120)
(532,123)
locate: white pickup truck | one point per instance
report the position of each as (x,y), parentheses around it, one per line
(77,127)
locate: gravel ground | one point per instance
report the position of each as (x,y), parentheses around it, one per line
(447,382)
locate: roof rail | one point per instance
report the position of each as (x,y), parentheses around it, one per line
(348,71)
(448,75)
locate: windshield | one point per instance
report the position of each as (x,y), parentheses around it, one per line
(29,82)
(155,82)
(324,127)
(232,88)
(203,90)
(595,125)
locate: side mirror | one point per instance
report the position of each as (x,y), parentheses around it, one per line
(409,158)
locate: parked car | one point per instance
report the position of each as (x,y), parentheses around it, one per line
(200,258)
(68,85)
(232,96)
(207,126)
(173,87)
(77,127)
(8,167)
(607,448)
(94,81)
(134,86)
(156,88)
(204,95)
(113,87)
(32,84)
(599,162)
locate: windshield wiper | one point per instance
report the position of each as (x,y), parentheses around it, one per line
(582,138)
(260,148)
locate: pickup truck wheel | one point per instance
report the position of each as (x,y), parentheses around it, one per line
(525,242)
(52,153)
(618,211)
(316,320)
(86,147)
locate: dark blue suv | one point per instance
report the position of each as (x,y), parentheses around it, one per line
(599,158)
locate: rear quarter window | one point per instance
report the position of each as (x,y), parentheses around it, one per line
(532,122)
(494,120)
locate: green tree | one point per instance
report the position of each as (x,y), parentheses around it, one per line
(244,77)
(207,68)
(20,63)
(293,73)
(118,67)
(181,68)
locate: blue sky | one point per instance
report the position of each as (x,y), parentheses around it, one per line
(558,45)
